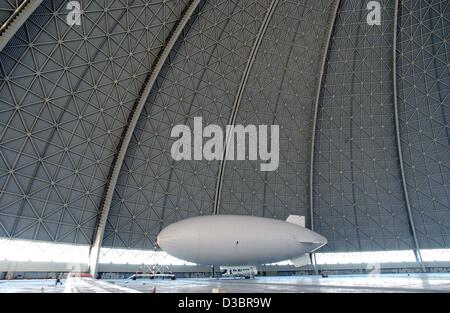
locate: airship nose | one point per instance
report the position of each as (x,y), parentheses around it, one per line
(176,241)
(158,240)
(161,240)
(164,238)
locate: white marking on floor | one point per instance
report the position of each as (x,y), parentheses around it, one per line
(90,285)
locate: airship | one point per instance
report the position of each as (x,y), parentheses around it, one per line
(229,240)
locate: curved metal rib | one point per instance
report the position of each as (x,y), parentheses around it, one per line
(316,110)
(398,139)
(237,101)
(313,132)
(169,181)
(16,20)
(128,133)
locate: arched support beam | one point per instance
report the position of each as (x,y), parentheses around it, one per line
(16,20)
(315,115)
(398,139)
(316,111)
(238,98)
(216,45)
(128,133)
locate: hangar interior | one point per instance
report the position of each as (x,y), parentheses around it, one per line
(88,102)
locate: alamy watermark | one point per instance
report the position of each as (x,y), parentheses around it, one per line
(238,143)
(374,16)
(75,13)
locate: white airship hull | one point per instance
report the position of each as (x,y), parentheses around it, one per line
(237,240)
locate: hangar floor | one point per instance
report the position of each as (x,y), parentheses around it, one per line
(299,284)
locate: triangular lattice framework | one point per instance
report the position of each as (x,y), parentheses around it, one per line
(424,105)
(66,95)
(358,196)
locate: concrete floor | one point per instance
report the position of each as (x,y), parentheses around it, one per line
(300,284)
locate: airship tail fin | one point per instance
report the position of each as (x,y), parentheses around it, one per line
(297,220)
(302,261)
